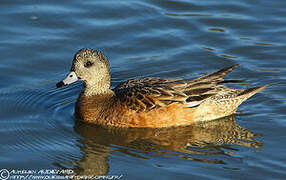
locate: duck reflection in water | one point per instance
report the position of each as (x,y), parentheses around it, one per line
(204,141)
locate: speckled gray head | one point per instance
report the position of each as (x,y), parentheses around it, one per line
(90,66)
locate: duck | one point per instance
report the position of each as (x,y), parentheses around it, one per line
(150,102)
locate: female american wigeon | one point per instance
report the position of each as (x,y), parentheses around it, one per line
(150,102)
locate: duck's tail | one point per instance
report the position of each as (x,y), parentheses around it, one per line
(244,95)
(247,93)
(224,106)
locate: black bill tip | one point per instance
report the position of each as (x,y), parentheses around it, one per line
(60,84)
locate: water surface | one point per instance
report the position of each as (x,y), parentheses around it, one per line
(168,39)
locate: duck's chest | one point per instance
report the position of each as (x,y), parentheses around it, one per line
(96,109)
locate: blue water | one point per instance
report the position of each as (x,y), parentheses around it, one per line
(168,39)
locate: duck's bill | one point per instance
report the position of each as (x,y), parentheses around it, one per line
(71,77)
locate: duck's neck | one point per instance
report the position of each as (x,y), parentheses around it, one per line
(97,87)
(92,102)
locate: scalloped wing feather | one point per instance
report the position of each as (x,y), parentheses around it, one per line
(145,94)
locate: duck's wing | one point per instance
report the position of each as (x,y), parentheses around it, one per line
(148,93)
(145,94)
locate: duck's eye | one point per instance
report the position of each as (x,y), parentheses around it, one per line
(88,64)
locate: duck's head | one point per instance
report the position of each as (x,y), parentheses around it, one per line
(90,66)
